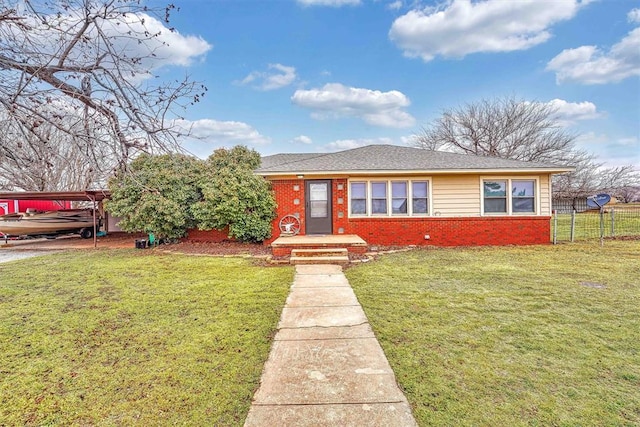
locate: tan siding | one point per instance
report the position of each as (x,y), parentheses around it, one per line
(545,195)
(456,195)
(459,195)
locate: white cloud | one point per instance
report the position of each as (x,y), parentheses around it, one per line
(169,47)
(277,77)
(374,107)
(222,132)
(396,5)
(591,65)
(462,27)
(302,139)
(634,15)
(570,112)
(348,144)
(332,3)
(133,35)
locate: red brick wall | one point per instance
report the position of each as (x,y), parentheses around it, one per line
(286,195)
(460,231)
(475,231)
(340,207)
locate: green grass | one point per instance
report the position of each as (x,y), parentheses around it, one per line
(116,338)
(518,336)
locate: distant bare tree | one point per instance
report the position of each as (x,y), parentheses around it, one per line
(86,68)
(527,131)
(51,161)
(622,182)
(501,127)
(580,183)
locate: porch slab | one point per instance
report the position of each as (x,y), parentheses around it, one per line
(324,240)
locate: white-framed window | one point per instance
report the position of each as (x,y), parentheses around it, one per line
(389,197)
(358,198)
(523,195)
(506,196)
(379,198)
(420,197)
(399,200)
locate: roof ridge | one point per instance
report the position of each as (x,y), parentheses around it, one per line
(311,156)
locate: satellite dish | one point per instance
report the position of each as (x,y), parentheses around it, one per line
(598,201)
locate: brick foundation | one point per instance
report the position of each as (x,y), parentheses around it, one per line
(478,231)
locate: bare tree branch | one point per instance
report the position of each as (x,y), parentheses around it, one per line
(65,62)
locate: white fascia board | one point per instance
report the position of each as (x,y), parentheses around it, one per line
(418,172)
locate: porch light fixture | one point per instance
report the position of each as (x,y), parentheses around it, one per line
(300,176)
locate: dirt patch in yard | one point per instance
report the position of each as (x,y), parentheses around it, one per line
(127,241)
(223,248)
(114,240)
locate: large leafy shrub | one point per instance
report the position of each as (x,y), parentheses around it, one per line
(169,194)
(154,195)
(235,198)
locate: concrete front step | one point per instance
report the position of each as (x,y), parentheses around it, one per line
(320,256)
(336,259)
(319,252)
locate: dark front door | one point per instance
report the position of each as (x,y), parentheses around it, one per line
(318,209)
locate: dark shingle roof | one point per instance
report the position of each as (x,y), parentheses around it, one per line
(381,158)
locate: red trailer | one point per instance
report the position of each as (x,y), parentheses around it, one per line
(8,206)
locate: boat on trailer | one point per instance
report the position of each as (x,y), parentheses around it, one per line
(35,223)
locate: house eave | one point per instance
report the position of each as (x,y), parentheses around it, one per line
(375,172)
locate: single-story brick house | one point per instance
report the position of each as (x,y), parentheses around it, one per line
(393,195)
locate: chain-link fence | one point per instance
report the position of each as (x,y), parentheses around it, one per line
(595,224)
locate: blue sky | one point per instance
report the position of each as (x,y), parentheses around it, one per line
(325,75)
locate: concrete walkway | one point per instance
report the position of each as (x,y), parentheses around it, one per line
(326,367)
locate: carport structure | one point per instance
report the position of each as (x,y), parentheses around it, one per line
(96,197)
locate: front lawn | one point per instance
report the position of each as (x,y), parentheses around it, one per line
(124,337)
(536,336)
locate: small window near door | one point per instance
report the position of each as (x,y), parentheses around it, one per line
(318,200)
(358,195)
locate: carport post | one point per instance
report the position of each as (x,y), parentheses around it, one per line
(95,238)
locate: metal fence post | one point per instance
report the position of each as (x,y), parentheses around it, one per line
(613,221)
(601,226)
(555,226)
(573,224)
